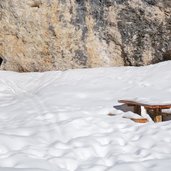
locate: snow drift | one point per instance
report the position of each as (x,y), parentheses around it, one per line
(57,121)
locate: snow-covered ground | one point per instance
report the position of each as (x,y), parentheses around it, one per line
(57,121)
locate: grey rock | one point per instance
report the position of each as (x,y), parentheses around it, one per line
(41,35)
(167,55)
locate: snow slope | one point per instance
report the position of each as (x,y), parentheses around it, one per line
(57,121)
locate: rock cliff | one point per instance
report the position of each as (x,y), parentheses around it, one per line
(40,35)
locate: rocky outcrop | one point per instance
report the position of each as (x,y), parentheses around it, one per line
(40,35)
(167,55)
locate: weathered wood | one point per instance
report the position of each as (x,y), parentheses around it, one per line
(138,120)
(158,106)
(157,115)
(141,120)
(158,118)
(131,102)
(137,109)
(155,111)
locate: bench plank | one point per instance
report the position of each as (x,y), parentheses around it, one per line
(131,102)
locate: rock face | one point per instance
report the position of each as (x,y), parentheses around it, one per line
(167,55)
(40,35)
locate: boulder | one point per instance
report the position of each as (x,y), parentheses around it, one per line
(167,55)
(41,35)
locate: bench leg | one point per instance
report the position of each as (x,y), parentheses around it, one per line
(150,112)
(158,118)
(137,109)
(157,115)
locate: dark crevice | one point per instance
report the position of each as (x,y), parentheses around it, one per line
(167,55)
(36,5)
(151,2)
(1,60)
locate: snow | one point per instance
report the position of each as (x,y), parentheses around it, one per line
(58,121)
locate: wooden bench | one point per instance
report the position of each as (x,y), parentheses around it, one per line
(155,111)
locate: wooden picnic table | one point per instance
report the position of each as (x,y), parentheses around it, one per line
(154,110)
